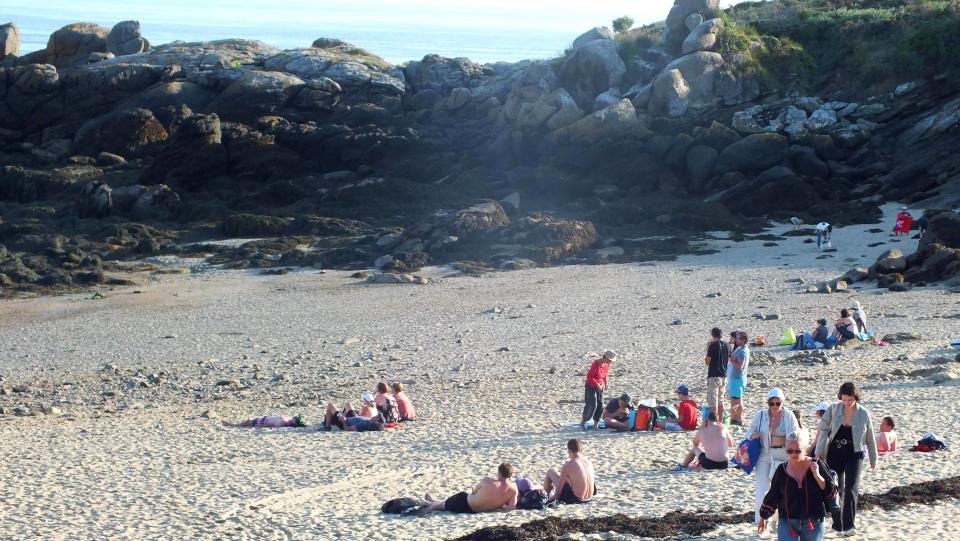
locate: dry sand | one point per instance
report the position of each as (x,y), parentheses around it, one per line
(142,463)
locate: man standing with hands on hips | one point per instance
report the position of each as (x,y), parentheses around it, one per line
(595,385)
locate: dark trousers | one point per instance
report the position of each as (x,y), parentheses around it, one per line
(593,405)
(848,483)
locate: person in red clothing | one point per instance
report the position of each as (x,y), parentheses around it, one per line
(903,223)
(688,412)
(593,391)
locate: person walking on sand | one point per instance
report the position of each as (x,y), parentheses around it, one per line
(771,427)
(798,490)
(489,495)
(848,433)
(824,231)
(718,355)
(737,378)
(575,482)
(595,385)
(711,445)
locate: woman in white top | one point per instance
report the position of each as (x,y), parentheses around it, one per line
(771,427)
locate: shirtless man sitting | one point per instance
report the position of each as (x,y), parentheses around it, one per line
(710,446)
(616,415)
(489,495)
(574,483)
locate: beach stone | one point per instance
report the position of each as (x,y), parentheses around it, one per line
(703,37)
(889,262)
(350,341)
(51,411)
(901,337)
(125,38)
(73,43)
(771,317)
(855,274)
(228,383)
(22,411)
(755,152)
(598,32)
(9,40)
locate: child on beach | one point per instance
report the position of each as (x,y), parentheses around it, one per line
(407,413)
(269,421)
(887,438)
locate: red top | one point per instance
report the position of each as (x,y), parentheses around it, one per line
(689,414)
(597,375)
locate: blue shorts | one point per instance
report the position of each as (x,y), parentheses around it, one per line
(736,387)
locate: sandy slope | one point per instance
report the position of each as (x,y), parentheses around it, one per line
(145,465)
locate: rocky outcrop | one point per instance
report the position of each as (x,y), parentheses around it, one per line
(95,200)
(74,43)
(594,34)
(126,133)
(194,155)
(591,70)
(125,38)
(9,40)
(703,37)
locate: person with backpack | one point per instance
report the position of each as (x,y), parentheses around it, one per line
(846,438)
(737,378)
(770,426)
(798,492)
(711,445)
(718,355)
(575,482)
(593,391)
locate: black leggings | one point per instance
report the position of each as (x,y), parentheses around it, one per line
(848,483)
(593,405)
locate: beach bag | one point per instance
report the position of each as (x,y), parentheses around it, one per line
(804,341)
(747,455)
(789,338)
(389,411)
(667,413)
(759,341)
(644,419)
(397,506)
(831,503)
(534,499)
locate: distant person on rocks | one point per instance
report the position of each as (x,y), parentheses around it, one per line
(770,426)
(268,421)
(860,317)
(887,438)
(348,420)
(407,413)
(489,495)
(824,232)
(575,482)
(737,378)
(593,392)
(718,355)
(688,413)
(711,446)
(846,438)
(616,414)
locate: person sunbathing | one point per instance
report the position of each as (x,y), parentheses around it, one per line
(268,421)
(616,415)
(887,438)
(711,445)
(349,421)
(489,495)
(574,483)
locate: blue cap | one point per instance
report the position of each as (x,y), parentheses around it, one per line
(682,389)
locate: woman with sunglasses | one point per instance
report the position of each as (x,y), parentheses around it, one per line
(848,430)
(797,492)
(770,427)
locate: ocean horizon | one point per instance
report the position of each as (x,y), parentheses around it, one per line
(397,31)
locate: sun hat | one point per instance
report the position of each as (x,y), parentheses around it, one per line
(368,397)
(775,393)
(822,406)
(626,398)
(682,389)
(610,354)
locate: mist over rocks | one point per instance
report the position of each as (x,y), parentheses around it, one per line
(616,139)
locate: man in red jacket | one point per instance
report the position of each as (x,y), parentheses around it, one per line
(595,385)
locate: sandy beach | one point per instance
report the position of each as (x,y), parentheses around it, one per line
(494,366)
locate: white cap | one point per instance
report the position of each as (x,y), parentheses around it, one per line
(368,397)
(822,406)
(610,354)
(775,393)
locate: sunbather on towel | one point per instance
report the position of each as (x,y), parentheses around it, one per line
(268,421)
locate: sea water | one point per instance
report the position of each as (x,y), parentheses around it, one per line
(399,31)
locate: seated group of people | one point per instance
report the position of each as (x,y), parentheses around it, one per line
(377,411)
(573,484)
(617,413)
(851,324)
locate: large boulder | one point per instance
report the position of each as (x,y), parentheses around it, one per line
(125,38)
(194,155)
(26,185)
(73,44)
(126,133)
(95,200)
(669,95)
(806,162)
(213,58)
(547,239)
(703,37)
(889,262)
(591,70)
(943,227)
(699,69)
(9,40)
(255,94)
(701,160)
(617,119)
(442,74)
(598,32)
(755,152)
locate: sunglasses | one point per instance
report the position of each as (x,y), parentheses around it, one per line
(774,403)
(794,451)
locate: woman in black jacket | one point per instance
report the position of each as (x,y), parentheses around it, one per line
(797,491)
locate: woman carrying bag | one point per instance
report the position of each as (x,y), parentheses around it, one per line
(798,492)
(848,430)
(771,427)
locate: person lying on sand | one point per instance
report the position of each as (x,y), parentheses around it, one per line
(711,445)
(349,421)
(574,483)
(489,495)
(268,421)
(616,415)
